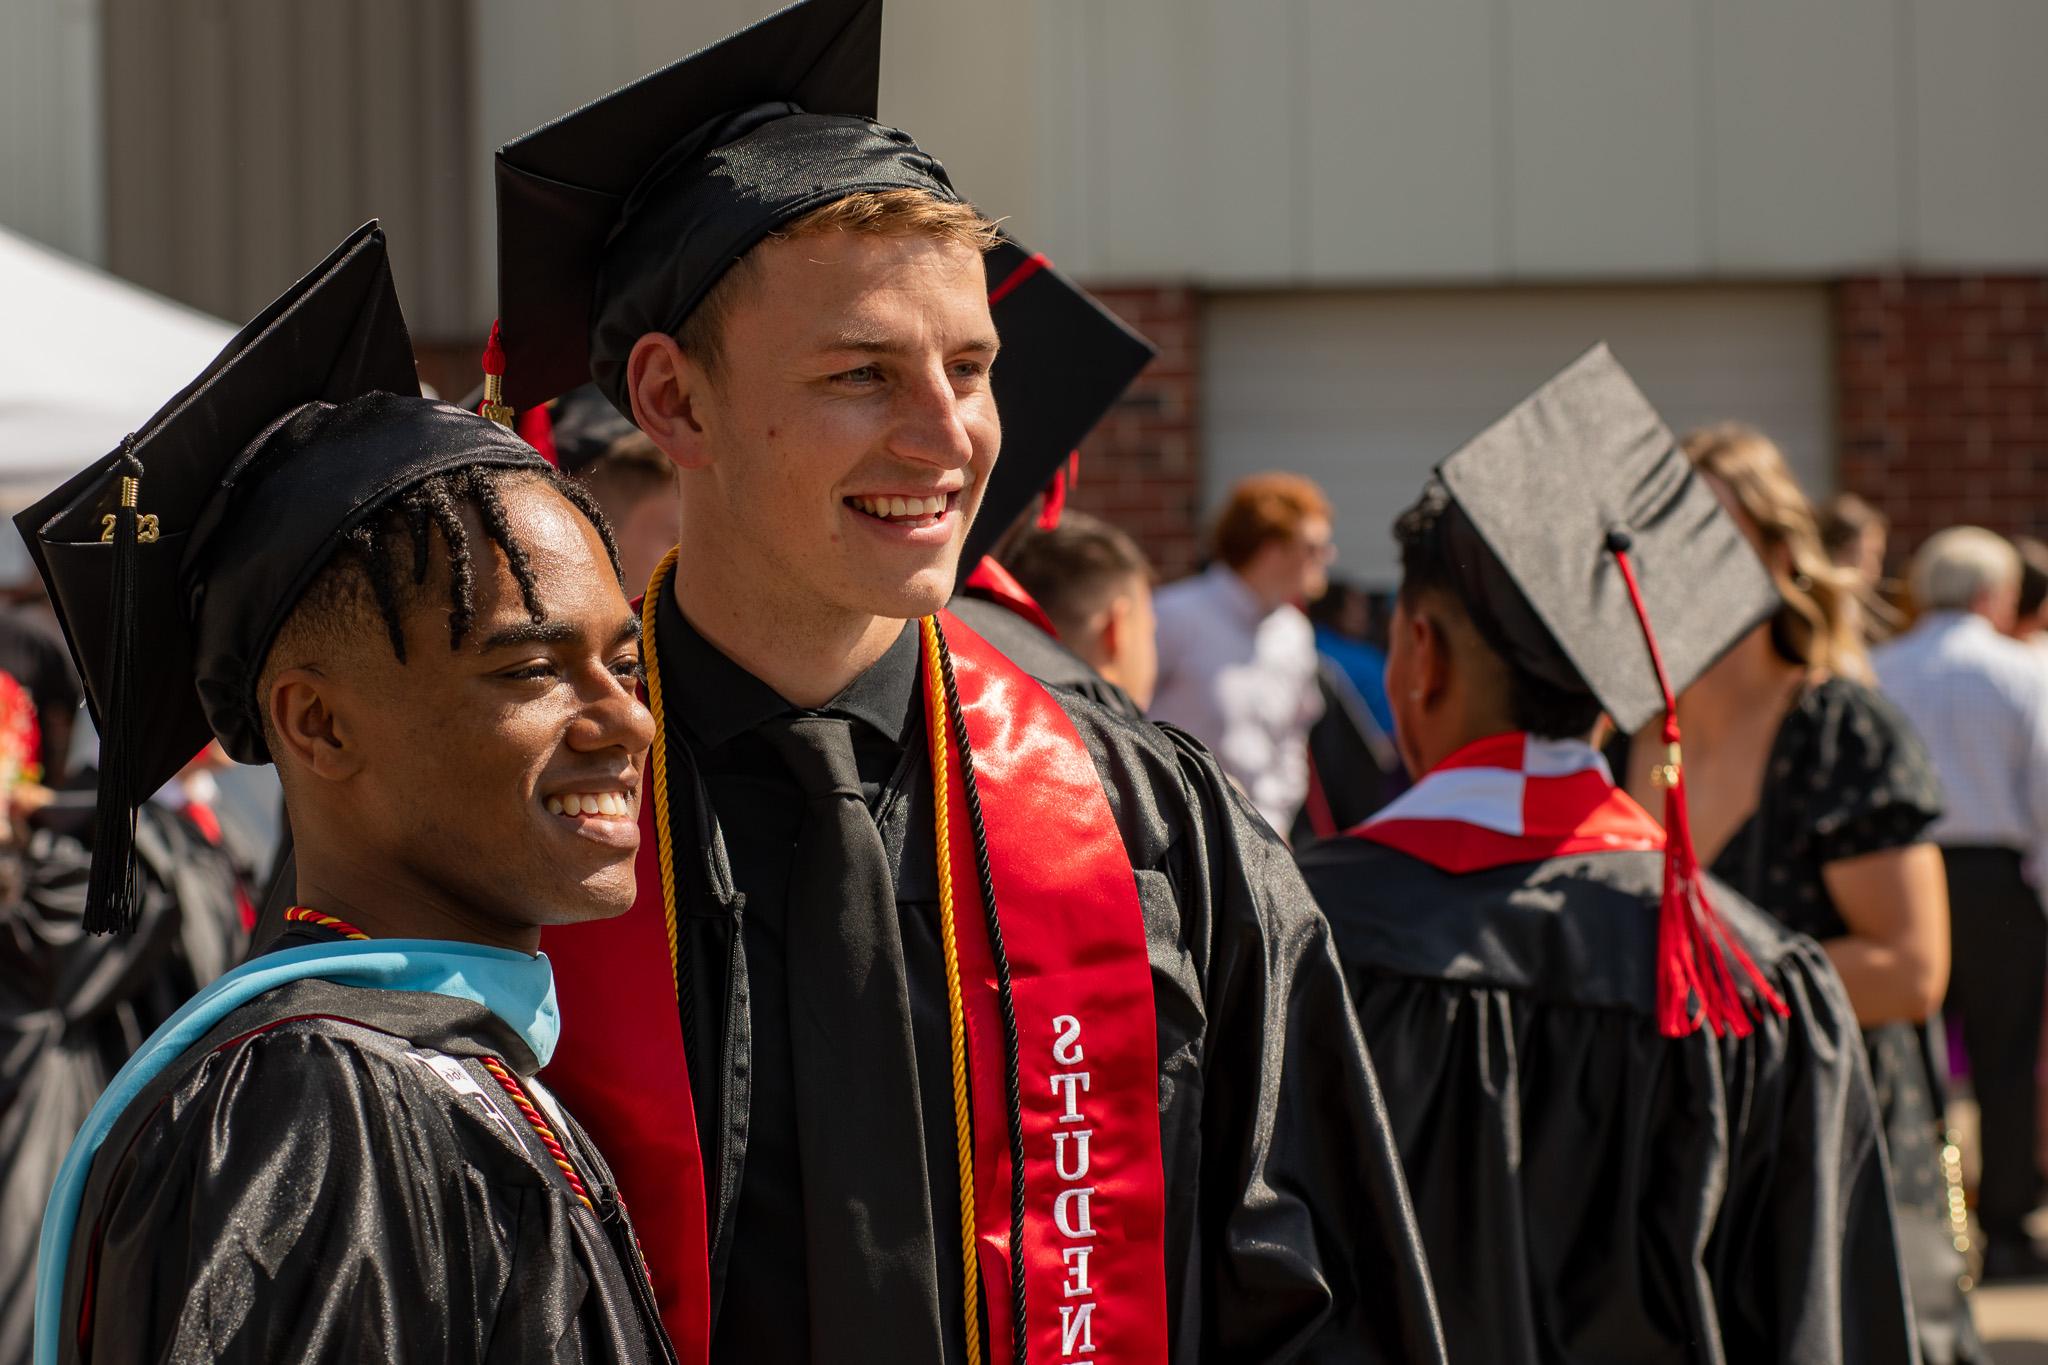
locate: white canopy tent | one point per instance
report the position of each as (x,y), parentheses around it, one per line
(85,358)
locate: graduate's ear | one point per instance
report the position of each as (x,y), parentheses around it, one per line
(668,390)
(1434,663)
(1116,620)
(307,723)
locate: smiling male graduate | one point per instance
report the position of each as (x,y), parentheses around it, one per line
(956,1019)
(338,1151)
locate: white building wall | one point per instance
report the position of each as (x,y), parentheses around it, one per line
(1335,142)
(1366,391)
(51,166)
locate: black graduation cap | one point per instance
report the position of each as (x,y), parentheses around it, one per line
(585,427)
(1064,362)
(615,220)
(1537,498)
(173,561)
(1589,551)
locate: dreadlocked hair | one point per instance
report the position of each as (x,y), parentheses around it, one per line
(435,505)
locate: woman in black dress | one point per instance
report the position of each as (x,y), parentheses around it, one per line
(1810,795)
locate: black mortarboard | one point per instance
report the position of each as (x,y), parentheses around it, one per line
(1064,362)
(586,427)
(1591,554)
(615,220)
(1536,496)
(173,562)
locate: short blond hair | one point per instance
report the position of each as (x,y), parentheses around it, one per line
(874,213)
(1958,566)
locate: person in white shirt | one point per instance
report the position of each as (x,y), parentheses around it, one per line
(1237,657)
(2030,618)
(1980,701)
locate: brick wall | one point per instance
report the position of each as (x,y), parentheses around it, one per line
(1141,468)
(1943,401)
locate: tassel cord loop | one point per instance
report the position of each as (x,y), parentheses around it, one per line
(1694,946)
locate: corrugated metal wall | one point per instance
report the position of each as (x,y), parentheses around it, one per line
(49,123)
(247,137)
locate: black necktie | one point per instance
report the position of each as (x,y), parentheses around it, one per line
(860,1132)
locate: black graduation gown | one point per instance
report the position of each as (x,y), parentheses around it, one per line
(1039,654)
(319,1191)
(1288,1231)
(74,1006)
(1588,1189)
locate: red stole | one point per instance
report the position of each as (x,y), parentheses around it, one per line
(1513,798)
(992,581)
(1074,938)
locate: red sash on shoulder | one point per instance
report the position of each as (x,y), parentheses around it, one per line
(1074,937)
(1513,798)
(992,581)
(619,1067)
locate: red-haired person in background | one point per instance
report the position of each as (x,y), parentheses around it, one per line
(1237,656)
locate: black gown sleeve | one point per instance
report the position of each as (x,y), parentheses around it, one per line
(1307,1246)
(301,1198)
(1807,1258)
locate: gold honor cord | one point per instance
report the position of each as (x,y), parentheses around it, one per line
(956,1019)
(657,763)
(941,753)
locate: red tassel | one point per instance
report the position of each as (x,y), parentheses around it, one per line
(1694,946)
(536,426)
(1055,500)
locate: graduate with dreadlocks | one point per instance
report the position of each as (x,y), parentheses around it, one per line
(958,1018)
(1633,1111)
(338,1151)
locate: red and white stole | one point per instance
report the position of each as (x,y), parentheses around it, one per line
(1513,798)
(1074,937)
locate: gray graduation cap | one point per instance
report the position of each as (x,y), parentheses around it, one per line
(1592,554)
(1540,500)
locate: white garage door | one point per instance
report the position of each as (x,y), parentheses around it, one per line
(1366,391)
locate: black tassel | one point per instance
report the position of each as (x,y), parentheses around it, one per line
(110,904)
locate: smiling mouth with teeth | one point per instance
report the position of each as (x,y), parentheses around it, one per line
(613,803)
(903,511)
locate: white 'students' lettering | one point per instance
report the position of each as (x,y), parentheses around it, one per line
(1066,1040)
(1070,1081)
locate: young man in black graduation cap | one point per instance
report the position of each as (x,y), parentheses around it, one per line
(957,1019)
(338,1151)
(1633,1111)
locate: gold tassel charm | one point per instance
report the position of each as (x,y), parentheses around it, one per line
(494,406)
